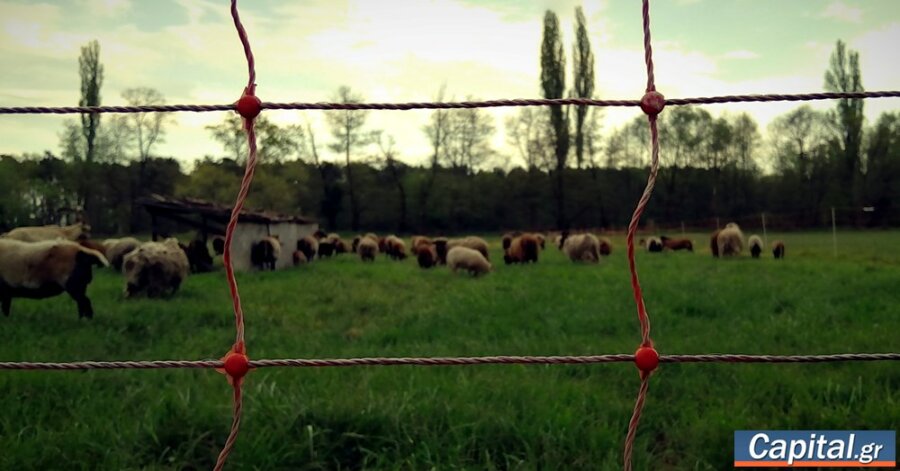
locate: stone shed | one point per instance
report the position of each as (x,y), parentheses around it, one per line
(210,219)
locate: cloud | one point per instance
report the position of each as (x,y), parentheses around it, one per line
(840,11)
(740,54)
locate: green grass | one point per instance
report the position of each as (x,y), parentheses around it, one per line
(480,417)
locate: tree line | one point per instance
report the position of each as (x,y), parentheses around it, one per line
(572,173)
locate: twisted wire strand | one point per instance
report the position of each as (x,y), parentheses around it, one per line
(633,423)
(448,105)
(449,361)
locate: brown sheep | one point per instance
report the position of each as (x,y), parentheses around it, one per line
(677,244)
(264,253)
(522,249)
(45,269)
(416,241)
(605,246)
(468,259)
(52,232)
(299,258)
(731,240)
(198,256)
(778,249)
(426,255)
(309,246)
(440,247)
(714,243)
(395,247)
(368,249)
(218,244)
(155,268)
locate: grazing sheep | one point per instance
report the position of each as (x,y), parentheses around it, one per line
(156,269)
(581,247)
(367,249)
(299,258)
(605,246)
(468,259)
(198,256)
(653,244)
(395,247)
(355,243)
(117,249)
(309,246)
(426,255)
(218,245)
(472,242)
(677,244)
(440,247)
(522,249)
(416,241)
(730,240)
(93,245)
(778,249)
(264,252)
(319,234)
(506,239)
(341,246)
(326,247)
(52,232)
(45,269)
(714,243)
(541,240)
(756,245)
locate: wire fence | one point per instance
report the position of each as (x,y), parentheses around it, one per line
(236,364)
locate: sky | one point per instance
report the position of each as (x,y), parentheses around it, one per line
(406,50)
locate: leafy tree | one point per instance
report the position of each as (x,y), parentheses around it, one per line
(843,75)
(553,84)
(583,75)
(347,132)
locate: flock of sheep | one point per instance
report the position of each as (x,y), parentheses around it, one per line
(45,261)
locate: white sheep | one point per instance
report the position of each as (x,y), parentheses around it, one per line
(45,269)
(367,249)
(756,245)
(155,268)
(730,240)
(582,247)
(52,232)
(117,249)
(468,259)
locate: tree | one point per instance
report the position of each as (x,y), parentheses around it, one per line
(843,76)
(91,72)
(468,142)
(147,129)
(347,132)
(396,171)
(437,130)
(527,131)
(273,143)
(553,83)
(583,77)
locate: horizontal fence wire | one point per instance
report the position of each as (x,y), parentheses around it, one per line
(448,105)
(450,361)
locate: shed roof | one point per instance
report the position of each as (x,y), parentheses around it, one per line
(162,205)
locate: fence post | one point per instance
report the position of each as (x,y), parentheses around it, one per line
(765,236)
(833,231)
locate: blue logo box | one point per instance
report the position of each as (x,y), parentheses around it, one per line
(815,448)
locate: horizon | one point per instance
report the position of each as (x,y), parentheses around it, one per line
(304,53)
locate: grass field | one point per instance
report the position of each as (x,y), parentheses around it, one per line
(481,417)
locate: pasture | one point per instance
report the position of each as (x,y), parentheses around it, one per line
(477,417)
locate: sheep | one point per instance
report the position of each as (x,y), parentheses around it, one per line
(756,245)
(714,243)
(677,244)
(416,241)
(440,247)
(38,233)
(319,234)
(653,244)
(468,259)
(541,240)
(472,242)
(299,258)
(605,246)
(309,246)
(730,240)
(367,249)
(45,269)
(395,247)
(326,247)
(198,256)
(778,249)
(117,249)
(506,239)
(156,269)
(522,249)
(264,252)
(93,245)
(338,244)
(426,255)
(355,243)
(218,245)
(581,247)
